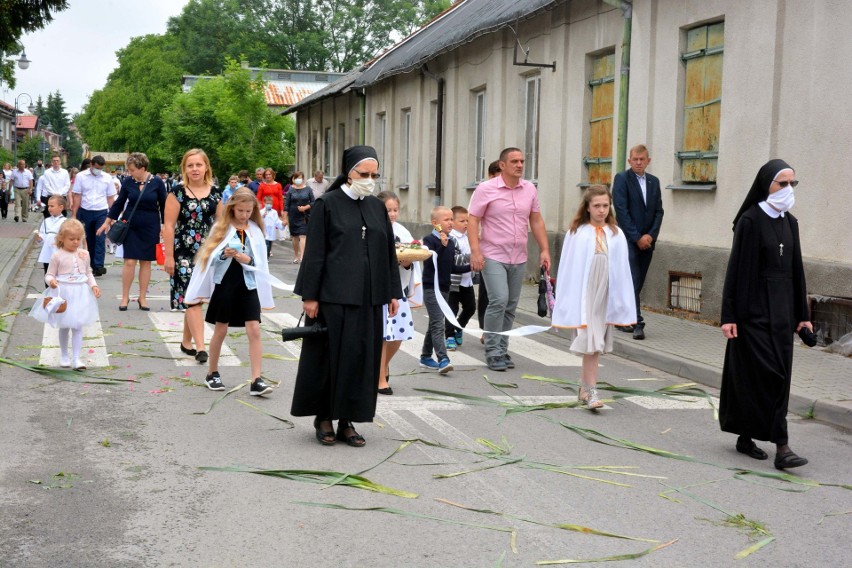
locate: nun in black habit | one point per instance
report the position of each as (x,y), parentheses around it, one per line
(764,303)
(348,273)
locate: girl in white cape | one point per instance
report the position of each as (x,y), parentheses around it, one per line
(231,271)
(594,289)
(400,327)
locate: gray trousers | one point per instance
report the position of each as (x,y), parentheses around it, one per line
(503,282)
(434,338)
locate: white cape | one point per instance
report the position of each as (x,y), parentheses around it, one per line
(411,278)
(572,282)
(201,284)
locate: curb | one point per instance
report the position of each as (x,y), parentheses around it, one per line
(831,412)
(8,270)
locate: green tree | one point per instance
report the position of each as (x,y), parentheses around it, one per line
(55,113)
(30,150)
(329,35)
(39,107)
(18,17)
(126,114)
(228,118)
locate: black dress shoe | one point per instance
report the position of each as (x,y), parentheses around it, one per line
(788,460)
(122,308)
(748,447)
(639,333)
(201,357)
(190,352)
(625,328)
(386,390)
(143,308)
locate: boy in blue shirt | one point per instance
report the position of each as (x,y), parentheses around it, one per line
(439,242)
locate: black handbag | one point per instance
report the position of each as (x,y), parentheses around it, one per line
(542,294)
(808,337)
(117,232)
(301,332)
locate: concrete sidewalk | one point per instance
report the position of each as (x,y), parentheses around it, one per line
(821,386)
(822,382)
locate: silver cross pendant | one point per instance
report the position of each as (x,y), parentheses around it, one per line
(363,232)
(780,249)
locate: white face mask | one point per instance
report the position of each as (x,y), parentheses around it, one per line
(298,181)
(363,187)
(95,171)
(782,200)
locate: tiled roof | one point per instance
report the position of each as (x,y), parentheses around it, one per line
(288,93)
(27,122)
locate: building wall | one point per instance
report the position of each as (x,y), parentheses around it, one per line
(780,98)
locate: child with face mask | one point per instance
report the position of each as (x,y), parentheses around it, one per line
(271,224)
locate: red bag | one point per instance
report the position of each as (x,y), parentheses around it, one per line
(160,251)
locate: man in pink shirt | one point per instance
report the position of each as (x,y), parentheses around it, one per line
(501,213)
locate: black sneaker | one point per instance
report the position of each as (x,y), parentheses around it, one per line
(214,381)
(201,357)
(259,387)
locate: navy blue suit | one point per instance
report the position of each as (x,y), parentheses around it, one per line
(638,217)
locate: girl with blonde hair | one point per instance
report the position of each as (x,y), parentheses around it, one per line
(231,271)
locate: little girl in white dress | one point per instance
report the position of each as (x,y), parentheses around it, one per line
(69,278)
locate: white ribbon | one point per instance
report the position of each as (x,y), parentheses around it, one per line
(451,317)
(273,281)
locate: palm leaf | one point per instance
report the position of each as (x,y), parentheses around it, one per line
(66,374)
(221,398)
(632,556)
(320,478)
(753,548)
(262,411)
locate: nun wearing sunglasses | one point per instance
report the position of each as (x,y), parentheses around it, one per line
(764,303)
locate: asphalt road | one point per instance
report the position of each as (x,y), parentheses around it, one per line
(109,475)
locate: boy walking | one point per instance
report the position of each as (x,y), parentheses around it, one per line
(439,242)
(461,286)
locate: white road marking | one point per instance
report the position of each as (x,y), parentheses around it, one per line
(532,349)
(684,403)
(413,347)
(170,327)
(282,320)
(93,340)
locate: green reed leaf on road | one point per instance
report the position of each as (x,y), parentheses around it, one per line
(68,375)
(221,398)
(414,515)
(266,412)
(561,526)
(615,558)
(320,478)
(753,548)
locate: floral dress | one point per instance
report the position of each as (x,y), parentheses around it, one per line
(195,219)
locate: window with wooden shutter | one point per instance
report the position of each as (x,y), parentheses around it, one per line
(702,102)
(598,158)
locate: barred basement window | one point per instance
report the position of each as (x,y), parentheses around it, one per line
(685,292)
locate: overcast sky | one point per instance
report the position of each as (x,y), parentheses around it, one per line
(75,53)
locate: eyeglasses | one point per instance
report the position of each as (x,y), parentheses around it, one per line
(374,175)
(791,183)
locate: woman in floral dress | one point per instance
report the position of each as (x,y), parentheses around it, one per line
(191,209)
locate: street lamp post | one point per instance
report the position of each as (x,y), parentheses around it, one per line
(30,108)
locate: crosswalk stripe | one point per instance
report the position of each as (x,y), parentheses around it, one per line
(413,346)
(170,327)
(93,340)
(531,349)
(282,320)
(685,403)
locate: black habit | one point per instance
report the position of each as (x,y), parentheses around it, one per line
(765,295)
(350,267)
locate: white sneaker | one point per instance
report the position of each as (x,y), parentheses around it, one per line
(64,360)
(79,365)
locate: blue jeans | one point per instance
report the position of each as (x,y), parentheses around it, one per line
(503,282)
(92,221)
(434,338)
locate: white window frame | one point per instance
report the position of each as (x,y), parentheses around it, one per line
(532,106)
(326,151)
(405,146)
(381,137)
(480,120)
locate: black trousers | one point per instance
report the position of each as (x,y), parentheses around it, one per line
(467,299)
(639,260)
(481,302)
(4,203)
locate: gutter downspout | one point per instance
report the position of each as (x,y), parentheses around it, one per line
(624,85)
(362,124)
(439,134)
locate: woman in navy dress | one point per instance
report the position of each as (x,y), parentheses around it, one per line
(298,203)
(144,227)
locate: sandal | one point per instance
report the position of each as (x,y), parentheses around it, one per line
(588,397)
(786,460)
(325,437)
(354,439)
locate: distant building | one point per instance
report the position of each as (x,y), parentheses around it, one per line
(7,116)
(284,87)
(716,89)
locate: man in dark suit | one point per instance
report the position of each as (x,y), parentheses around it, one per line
(639,211)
